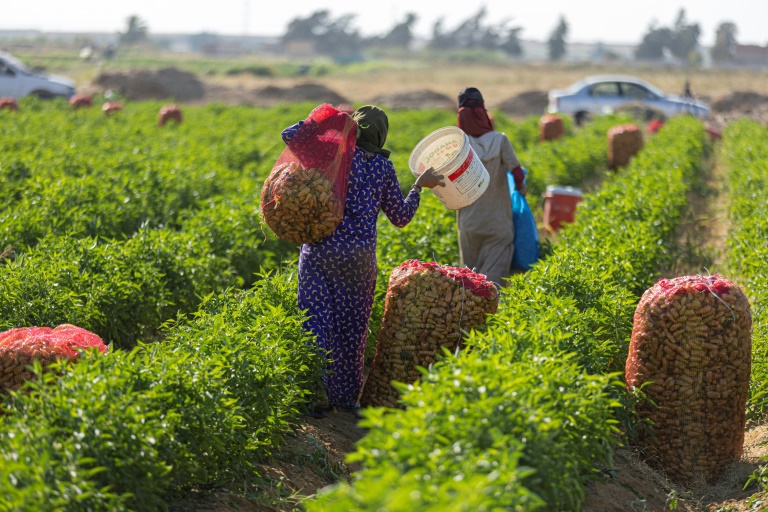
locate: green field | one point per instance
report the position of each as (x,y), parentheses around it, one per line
(153,239)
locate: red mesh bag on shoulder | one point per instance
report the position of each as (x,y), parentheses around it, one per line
(303,198)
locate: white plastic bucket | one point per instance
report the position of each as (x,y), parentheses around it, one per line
(448,151)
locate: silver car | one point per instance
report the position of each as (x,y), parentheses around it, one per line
(595,95)
(17,80)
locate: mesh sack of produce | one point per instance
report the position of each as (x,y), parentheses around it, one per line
(551,127)
(624,142)
(169,113)
(691,344)
(427,307)
(19,347)
(8,104)
(303,197)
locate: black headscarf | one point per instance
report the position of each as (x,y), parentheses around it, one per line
(373,127)
(471,97)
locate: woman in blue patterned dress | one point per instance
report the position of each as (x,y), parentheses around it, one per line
(337,275)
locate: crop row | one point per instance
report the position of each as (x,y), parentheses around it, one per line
(521,418)
(745,151)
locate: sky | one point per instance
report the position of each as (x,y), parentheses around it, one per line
(588,20)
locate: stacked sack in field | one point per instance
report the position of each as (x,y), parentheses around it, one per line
(169,113)
(9,104)
(20,347)
(79,101)
(303,198)
(691,345)
(624,142)
(427,307)
(111,108)
(551,127)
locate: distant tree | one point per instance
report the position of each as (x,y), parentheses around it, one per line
(685,38)
(556,42)
(653,44)
(682,41)
(331,36)
(475,33)
(401,35)
(136,32)
(511,43)
(725,38)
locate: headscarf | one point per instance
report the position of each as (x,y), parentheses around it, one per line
(474,121)
(470,97)
(373,126)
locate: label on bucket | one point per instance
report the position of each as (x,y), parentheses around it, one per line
(449,152)
(441,154)
(467,181)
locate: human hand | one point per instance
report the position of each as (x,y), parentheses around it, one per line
(430,179)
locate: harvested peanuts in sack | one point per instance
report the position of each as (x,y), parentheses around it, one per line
(691,344)
(303,198)
(21,346)
(624,142)
(299,204)
(427,307)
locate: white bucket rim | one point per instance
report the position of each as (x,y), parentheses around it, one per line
(563,191)
(429,138)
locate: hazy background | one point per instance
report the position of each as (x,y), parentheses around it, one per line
(588,20)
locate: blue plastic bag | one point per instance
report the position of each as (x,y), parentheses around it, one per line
(526,232)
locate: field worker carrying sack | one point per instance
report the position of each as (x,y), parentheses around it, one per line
(486,227)
(337,274)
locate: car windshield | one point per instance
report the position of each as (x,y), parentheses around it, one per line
(576,87)
(13,61)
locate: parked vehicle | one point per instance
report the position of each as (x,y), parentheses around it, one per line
(596,95)
(17,80)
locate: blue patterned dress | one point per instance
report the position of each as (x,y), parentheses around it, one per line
(337,275)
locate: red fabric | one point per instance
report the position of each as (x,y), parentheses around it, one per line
(474,121)
(519,175)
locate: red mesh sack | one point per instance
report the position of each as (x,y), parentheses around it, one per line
(19,347)
(303,197)
(691,346)
(428,305)
(624,142)
(80,101)
(655,125)
(8,104)
(169,113)
(551,127)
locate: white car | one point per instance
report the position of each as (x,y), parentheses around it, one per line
(595,95)
(17,80)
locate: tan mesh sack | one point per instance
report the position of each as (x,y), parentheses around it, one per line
(692,340)
(303,197)
(624,142)
(427,307)
(551,127)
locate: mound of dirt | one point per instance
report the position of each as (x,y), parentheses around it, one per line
(525,104)
(420,98)
(741,101)
(162,84)
(317,93)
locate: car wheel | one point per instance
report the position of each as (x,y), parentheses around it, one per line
(581,118)
(43,95)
